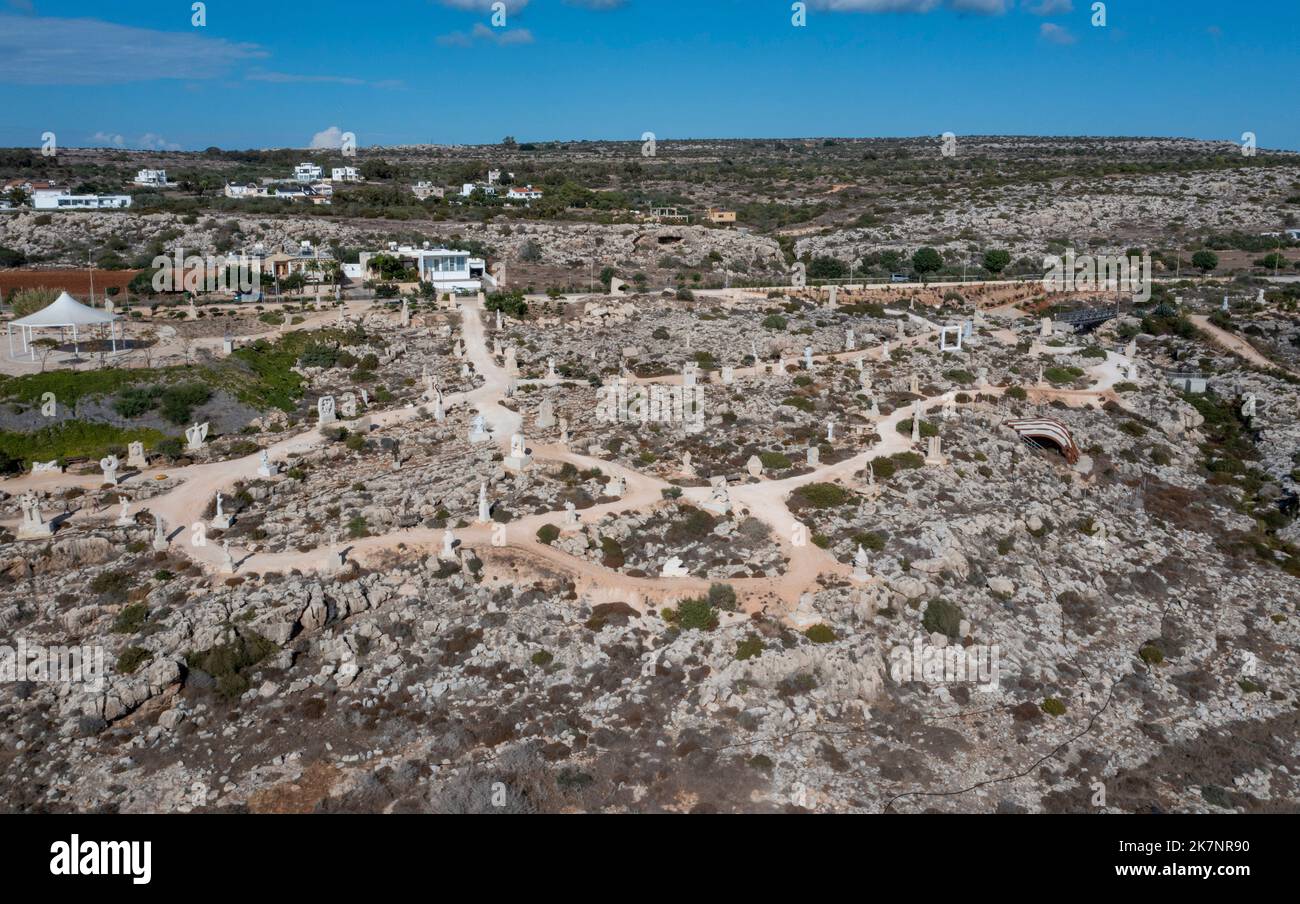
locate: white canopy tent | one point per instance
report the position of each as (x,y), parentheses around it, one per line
(65,313)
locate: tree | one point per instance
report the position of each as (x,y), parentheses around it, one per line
(378,169)
(10,257)
(1205,261)
(827,268)
(996,261)
(926,261)
(29,301)
(45,347)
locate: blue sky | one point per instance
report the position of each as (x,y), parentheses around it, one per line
(272,74)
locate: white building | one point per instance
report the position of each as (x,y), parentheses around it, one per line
(524,193)
(62,199)
(345,174)
(446,269)
(468,189)
(248,190)
(307,172)
(155,177)
(425,190)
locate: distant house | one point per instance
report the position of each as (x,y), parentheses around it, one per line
(721,217)
(425,190)
(303,258)
(307,172)
(152,177)
(345,174)
(245,190)
(28,185)
(470,187)
(62,199)
(524,193)
(669,215)
(313,194)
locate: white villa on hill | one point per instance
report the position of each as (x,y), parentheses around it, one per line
(62,199)
(152,177)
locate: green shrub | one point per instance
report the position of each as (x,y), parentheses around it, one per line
(611,552)
(942,617)
(112,584)
(358,527)
(1151,653)
(1016,393)
(800,403)
(542,658)
(131,659)
(1053,707)
(822,495)
(775,461)
(130,619)
(177,403)
(230,663)
(1062,374)
(548,533)
(927,429)
(749,648)
(722,596)
(820,634)
(696,614)
(872,541)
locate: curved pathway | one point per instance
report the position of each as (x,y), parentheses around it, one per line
(524,556)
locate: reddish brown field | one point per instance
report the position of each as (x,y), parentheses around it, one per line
(74,282)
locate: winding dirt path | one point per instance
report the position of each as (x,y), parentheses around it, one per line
(1238,346)
(522,556)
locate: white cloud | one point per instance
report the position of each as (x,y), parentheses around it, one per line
(982,7)
(47,51)
(485,6)
(290,78)
(502,37)
(329,139)
(149,141)
(1056,34)
(1048,7)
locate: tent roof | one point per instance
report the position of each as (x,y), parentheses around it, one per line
(66,311)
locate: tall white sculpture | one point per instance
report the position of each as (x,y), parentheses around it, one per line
(519,458)
(33,525)
(325,411)
(194,436)
(109,465)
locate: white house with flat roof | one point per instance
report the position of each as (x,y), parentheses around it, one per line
(345,174)
(153,177)
(62,199)
(307,172)
(446,269)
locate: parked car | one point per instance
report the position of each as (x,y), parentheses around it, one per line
(900,277)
